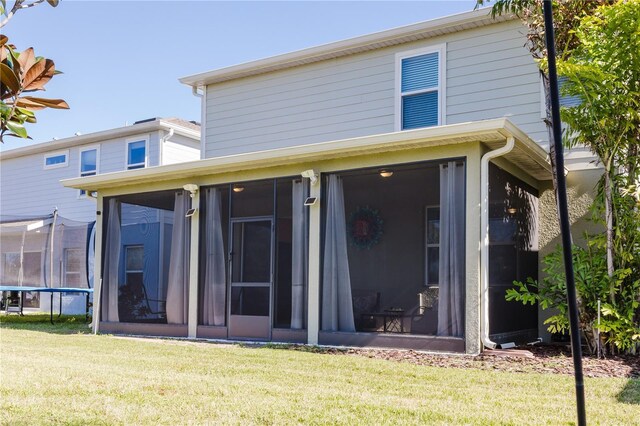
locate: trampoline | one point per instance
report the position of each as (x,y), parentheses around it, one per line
(46,254)
(61,290)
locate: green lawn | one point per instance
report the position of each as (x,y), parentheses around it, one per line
(60,374)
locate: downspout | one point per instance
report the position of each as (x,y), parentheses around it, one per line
(162,141)
(484,242)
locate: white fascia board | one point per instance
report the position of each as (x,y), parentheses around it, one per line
(496,129)
(451,23)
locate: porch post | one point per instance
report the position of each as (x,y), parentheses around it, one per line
(97,264)
(192,322)
(472,265)
(313,309)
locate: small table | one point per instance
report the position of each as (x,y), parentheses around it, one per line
(392,320)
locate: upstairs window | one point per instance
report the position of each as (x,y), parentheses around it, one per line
(420,75)
(136,154)
(56,159)
(88,163)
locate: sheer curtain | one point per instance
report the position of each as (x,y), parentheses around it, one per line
(110,282)
(178,282)
(299,255)
(451,268)
(337,307)
(213,311)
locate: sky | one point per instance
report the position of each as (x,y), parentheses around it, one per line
(121,60)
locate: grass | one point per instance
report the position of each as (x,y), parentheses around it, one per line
(63,375)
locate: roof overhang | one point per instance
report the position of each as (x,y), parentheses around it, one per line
(119,132)
(392,37)
(527,155)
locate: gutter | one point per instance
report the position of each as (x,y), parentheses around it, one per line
(484,239)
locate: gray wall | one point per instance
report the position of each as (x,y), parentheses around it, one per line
(395,266)
(489,74)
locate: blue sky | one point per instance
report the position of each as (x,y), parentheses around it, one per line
(122,60)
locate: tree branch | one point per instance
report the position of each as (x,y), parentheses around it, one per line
(19,4)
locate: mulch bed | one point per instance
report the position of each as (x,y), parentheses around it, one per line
(529,359)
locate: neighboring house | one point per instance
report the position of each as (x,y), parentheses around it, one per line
(30,189)
(379,191)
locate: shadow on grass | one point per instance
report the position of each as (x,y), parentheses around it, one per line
(630,394)
(65,324)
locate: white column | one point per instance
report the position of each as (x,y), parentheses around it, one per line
(313,309)
(193,267)
(97,264)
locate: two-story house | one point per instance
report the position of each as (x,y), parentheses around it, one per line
(379,191)
(40,248)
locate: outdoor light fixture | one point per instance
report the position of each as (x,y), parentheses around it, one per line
(385,173)
(190,212)
(311,174)
(310,201)
(238,188)
(512,210)
(192,188)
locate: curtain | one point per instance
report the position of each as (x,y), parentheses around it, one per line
(110,281)
(451,268)
(213,310)
(337,307)
(178,282)
(299,253)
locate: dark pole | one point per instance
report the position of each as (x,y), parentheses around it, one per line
(563,213)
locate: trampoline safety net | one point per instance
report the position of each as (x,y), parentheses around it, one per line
(46,251)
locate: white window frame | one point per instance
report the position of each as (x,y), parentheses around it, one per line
(441,49)
(46,166)
(81,192)
(132,271)
(66,266)
(129,141)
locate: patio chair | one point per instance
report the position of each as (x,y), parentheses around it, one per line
(365,303)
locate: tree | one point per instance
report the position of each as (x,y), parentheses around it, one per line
(604,72)
(22,73)
(602,68)
(566,16)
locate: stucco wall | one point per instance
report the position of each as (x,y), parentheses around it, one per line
(580,192)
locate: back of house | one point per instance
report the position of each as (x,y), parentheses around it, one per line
(379,191)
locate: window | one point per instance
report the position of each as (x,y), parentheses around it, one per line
(134,265)
(567,101)
(73,260)
(432,238)
(88,164)
(136,154)
(420,90)
(56,159)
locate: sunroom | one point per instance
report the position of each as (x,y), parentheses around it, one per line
(372,241)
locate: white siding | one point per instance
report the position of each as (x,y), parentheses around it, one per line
(180,149)
(28,190)
(489,74)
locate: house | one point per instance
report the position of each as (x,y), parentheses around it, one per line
(379,191)
(41,248)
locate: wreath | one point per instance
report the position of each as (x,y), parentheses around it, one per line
(365,227)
